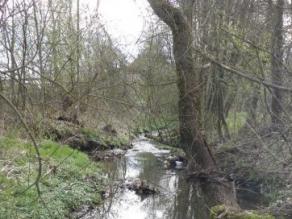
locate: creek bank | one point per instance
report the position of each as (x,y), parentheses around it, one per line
(69,179)
(261,166)
(223,212)
(100,144)
(259,182)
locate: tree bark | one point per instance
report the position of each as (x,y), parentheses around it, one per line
(191,137)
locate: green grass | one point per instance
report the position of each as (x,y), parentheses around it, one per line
(69,179)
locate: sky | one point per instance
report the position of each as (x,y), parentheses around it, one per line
(125,21)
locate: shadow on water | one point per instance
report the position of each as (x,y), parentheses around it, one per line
(177,199)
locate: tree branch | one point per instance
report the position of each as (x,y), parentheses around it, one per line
(171,15)
(245,75)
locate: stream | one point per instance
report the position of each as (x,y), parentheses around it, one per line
(145,161)
(177,199)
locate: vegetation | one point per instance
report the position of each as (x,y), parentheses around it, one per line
(222,212)
(70,179)
(212,77)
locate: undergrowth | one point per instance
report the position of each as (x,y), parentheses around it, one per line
(69,180)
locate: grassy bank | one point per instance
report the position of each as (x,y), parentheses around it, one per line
(69,179)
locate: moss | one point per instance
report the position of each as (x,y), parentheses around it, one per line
(226,213)
(70,179)
(216,210)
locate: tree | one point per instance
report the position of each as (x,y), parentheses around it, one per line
(276,60)
(192,139)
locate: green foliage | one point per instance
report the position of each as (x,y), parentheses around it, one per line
(69,179)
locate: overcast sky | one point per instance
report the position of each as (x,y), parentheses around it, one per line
(125,20)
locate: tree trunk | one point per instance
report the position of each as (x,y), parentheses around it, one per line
(39,37)
(78,60)
(276,61)
(22,93)
(13,61)
(191,137)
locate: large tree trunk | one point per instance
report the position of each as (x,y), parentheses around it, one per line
(191,137)
(276,60)
(190,90)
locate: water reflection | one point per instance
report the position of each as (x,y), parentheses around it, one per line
(177,198)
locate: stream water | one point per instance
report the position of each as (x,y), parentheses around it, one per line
(145,161)
(177,199)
